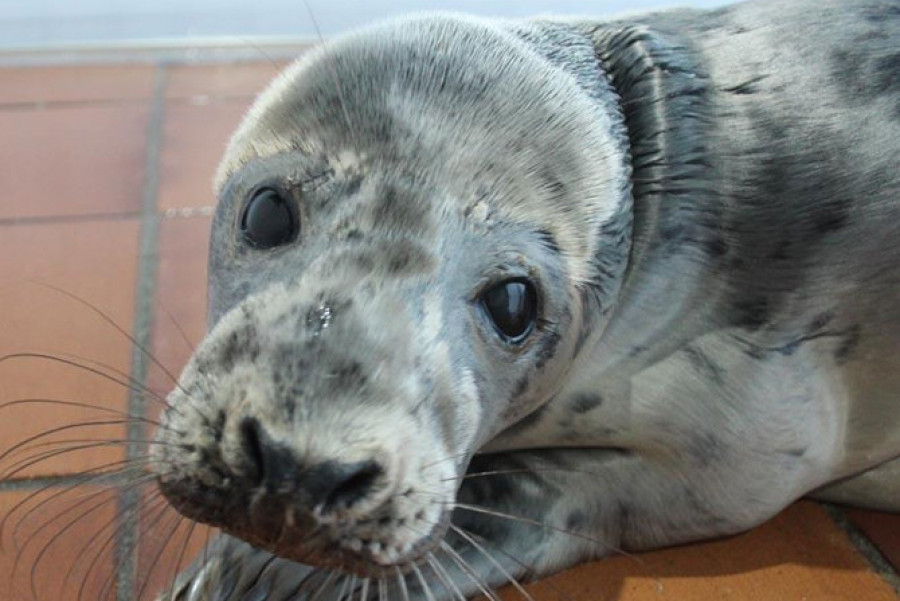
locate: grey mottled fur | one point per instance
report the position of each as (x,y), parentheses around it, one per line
(710,204)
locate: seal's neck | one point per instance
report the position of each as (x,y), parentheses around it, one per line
(665,101)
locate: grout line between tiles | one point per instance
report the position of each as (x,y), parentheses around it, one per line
(866,547)
(182,52)
(188,99)
(52,219)
(145,292)
(167,214)
(58,481)
(40,105)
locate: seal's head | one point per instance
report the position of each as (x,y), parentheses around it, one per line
(415,225)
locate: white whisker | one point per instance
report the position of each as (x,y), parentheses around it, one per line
(464,566)
(424,583)
(444,577)
(401,582)
(493,562)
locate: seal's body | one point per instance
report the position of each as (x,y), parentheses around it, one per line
(634,281)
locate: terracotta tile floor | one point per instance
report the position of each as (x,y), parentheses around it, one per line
(106,177)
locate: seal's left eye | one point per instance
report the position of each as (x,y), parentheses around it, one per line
(269,220)
(512,308)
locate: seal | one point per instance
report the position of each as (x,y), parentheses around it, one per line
(492,298)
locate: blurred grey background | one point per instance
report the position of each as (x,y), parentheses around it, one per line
(66,23)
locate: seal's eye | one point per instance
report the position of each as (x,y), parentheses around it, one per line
(269,220)
(512,308)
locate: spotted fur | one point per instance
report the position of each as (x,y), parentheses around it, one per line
(709,203)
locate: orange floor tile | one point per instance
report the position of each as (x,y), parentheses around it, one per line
(63,160)
(801,554)
(99,205)
(31,85)
(180,312)
(194,139)
(58,544)
(220,80)
(95,261)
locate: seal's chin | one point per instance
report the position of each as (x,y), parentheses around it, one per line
(398,535)
(358,550)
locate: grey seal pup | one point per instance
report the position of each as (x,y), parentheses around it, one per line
(492,298)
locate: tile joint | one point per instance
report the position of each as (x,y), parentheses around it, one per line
(145,292)
(879,563)
(38,482)
(191,100)
(57,219)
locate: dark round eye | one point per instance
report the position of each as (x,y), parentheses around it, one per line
(512,308)
(269,220)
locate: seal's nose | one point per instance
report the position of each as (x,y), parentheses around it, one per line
(326,485)
(338,485)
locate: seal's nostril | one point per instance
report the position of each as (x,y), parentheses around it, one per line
(349,483)
(250,441)
(276,468)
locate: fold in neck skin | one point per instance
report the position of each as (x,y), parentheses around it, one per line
(673,285)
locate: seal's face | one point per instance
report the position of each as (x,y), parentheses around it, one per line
(403,257)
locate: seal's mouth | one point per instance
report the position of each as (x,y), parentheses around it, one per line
(359,502)
(399,534)
(364,555)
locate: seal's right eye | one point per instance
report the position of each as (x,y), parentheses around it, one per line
(269,220)
(512,308)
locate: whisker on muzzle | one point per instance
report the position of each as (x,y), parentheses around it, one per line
(92,480)
(79,405)
(509,578)
(467,569)
(426,588)
(87,514)
(401,583)
(442,575)
(114,324)
(525,520)
(175,520)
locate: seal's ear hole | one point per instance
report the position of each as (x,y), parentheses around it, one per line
(511,306)
(269,219)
